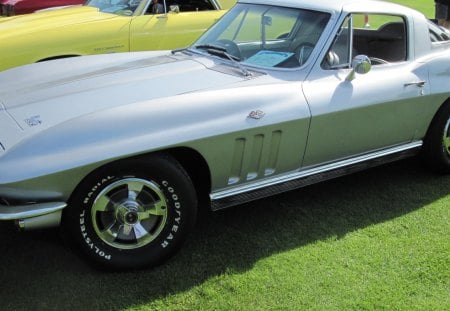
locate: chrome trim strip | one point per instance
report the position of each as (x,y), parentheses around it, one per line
(14,212)
(310,176)
(216,4)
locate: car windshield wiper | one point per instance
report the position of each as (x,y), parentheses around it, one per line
(222,52)
(179,50)
(210,46)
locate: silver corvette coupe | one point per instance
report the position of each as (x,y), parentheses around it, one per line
(123,150)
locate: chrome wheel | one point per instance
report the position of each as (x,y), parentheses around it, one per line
(132,213)
(129,213)
(446,138)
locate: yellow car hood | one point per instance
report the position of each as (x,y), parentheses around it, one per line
(42,21)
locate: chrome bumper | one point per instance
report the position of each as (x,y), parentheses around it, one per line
(33,216)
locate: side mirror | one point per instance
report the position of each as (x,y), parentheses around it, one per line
(361,64)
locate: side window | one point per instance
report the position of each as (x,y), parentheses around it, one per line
(179,6)
(190,5)
(340,53)
(381,37)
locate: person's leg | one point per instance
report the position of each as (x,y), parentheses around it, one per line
(446,23)
(441,14)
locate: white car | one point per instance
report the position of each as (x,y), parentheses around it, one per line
(123,150)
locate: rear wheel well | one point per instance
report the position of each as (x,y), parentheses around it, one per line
(436,147)
(436,115)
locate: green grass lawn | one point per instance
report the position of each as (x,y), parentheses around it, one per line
(376,240)
(424,6)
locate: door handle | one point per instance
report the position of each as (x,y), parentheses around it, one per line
(416,83)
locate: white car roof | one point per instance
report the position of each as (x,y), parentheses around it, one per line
(337,6)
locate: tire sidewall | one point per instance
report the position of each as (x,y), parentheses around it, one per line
(435,155)
(444,153)
(181,213)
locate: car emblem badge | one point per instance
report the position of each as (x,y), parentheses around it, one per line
(256,114)
(33,121)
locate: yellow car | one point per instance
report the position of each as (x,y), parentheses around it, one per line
(104,26)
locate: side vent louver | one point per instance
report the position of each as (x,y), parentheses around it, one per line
(254,157)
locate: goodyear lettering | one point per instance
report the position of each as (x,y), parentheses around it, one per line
(177,205)
(89,242)
(95,188)
(164,244)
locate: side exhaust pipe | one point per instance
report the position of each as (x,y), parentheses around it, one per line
(39,222)
(34,215)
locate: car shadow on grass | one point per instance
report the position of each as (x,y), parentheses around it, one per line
(37,271)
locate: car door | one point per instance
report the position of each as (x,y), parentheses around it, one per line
(370,112)
(171,30)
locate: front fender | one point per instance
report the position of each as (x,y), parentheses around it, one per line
(212,123)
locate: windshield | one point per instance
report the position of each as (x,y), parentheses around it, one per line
(266,36)
(120,7)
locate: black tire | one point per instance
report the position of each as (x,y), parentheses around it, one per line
(133,213)
(436,149)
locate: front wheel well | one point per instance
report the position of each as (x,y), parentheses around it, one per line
(56,57)
(192,162)
(198,169)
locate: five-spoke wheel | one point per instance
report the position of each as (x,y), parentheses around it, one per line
(132,213)
(129,213)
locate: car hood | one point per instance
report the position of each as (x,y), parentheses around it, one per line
(43,95)
(53,19)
